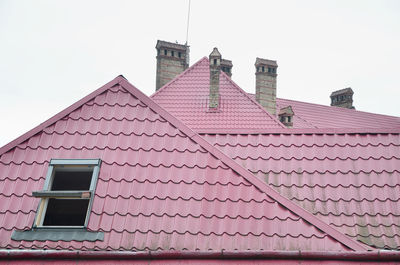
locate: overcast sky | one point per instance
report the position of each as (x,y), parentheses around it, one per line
(53,53)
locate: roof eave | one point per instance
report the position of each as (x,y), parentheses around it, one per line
(367,256)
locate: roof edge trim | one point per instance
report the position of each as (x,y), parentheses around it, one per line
(60,115)
(130,255)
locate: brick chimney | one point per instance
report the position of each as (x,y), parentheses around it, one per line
(226,66)
(342,98)
(172,59)
(215,67)
(266,84)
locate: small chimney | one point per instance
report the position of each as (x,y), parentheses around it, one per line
(286,116)
(172,59)
(215,67)
(226,67)
(266,84)
(343,98)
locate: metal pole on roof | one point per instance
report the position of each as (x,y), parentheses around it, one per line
(187,27)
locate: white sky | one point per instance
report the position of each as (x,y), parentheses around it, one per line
(53,53)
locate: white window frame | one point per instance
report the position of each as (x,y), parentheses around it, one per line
(45,194)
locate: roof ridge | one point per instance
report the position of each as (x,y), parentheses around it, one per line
(288,131)
(259,184)
(60,115)
(178,76)
(337,108)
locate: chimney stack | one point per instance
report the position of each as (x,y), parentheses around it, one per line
(266,84)
(215,67)
(226,66)
(172,59)
(342,98)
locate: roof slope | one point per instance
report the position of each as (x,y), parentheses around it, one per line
(349,180)
(309,115)
(160,187)
(186,97)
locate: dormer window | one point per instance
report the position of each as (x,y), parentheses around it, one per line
(67,193)
(65,203)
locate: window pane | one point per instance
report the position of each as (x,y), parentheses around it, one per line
(66,212)
(71,180)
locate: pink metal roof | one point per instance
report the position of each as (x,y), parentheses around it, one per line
(161,186)
(309,115)
(186,97)
(349,180)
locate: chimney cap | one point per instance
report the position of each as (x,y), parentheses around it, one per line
(215,53)
(261,61)
(286,111)
(171,45)
(344,91)
(226,62)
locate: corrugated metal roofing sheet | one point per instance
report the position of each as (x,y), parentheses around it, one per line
(349,180)
(186,97)
(158,188)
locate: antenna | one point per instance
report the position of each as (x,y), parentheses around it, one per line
(187,37)
(187,28)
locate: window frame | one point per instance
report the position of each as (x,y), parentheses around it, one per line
(46,193)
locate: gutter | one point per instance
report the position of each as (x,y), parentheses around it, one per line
(380,255)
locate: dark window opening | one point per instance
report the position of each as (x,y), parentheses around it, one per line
(263,69)
(215,61)
(165,52)
(258,69)
(289,119)
(172,53)
(282,119)
(66,212)
(179,54)
(71,180)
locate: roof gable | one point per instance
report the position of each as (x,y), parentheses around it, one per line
(160,186)
(186,97)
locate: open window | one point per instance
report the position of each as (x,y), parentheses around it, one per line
(66,201)
(68,192)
